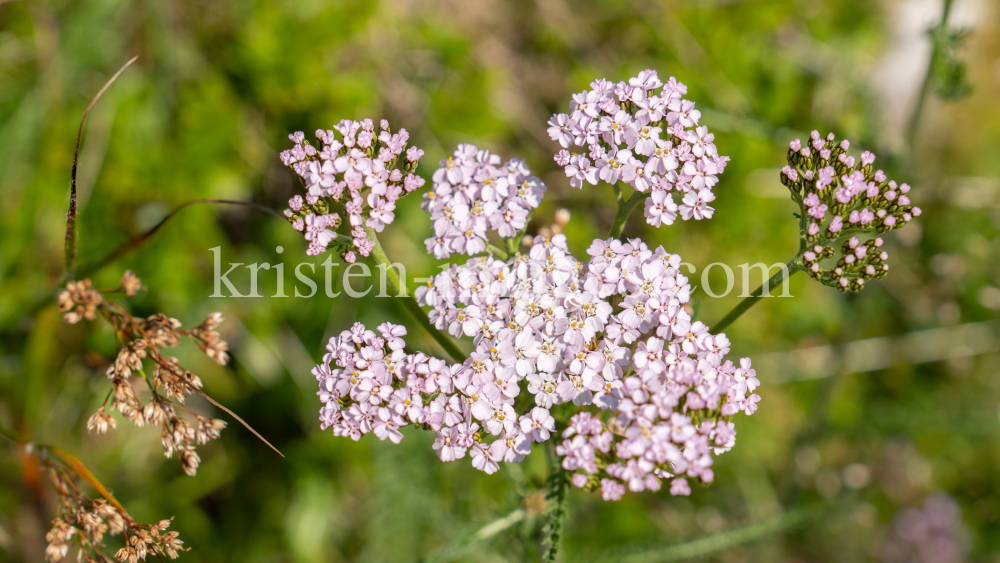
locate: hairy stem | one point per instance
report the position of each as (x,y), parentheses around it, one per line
(625,208)
(777,279)
(70,245)
(398,286)
(555,514)
(514,243)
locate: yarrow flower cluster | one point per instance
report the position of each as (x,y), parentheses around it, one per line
(376,387)
(562,331)
(364,172)
(840,196)
(473,194)
(645,134)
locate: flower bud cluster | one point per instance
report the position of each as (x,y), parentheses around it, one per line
(551,331)
(840,196)
(858,261)
(473,194)
(364,172)
(645,134)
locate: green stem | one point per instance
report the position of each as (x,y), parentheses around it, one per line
(625,209)
(498,252)
(514,243)
(777,279)
(398,286)
(911,131)
(555,514)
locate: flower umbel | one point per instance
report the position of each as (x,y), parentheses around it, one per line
(473,194)
(645,134)
(359,169)
(611,335)
(842,196)
(934,533)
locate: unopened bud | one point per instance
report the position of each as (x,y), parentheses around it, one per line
(562,216)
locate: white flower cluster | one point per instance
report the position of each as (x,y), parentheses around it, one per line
(365,172)
(553,333)
(645,134)
(377,387)
(548,321)
(472,194)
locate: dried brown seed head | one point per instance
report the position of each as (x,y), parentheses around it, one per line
(130,284)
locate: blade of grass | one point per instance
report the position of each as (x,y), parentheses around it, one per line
(81,470)
(70,246)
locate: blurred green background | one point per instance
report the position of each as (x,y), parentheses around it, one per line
(861,428)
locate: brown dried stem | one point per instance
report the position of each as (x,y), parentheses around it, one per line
(131,244)
(81,470)
(167,366)
(138,240)
(238,419)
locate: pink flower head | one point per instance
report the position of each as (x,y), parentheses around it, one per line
(637,146)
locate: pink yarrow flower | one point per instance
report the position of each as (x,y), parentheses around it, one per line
(361,171)
(655,143)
